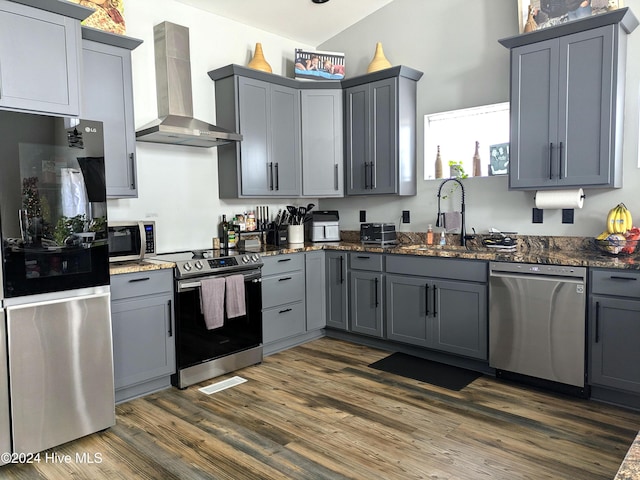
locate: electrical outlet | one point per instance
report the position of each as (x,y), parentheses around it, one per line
(567,215)
(363,215)
(537,215)
(405,216)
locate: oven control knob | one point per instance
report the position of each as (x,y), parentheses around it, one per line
(187,266)
(255,257)
(199,265)
(245,259)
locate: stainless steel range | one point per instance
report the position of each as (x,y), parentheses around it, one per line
(204,351)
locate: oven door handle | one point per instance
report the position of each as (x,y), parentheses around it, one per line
(187,285)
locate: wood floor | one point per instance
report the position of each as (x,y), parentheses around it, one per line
(317,411)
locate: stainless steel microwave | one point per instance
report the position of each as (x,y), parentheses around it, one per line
(131,241)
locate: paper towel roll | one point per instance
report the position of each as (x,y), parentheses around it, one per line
(559,199)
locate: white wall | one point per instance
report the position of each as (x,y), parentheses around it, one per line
(178,186)
(455,44)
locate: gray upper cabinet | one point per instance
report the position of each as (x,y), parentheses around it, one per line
(267,161)
(40,58)
(322,144)
(562,135)
(107,95)
(378,159)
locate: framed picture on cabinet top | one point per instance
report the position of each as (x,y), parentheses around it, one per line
(312,65)
(499,159)
(107,15)
(549,13)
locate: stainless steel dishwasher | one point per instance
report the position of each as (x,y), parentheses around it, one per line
(537,324)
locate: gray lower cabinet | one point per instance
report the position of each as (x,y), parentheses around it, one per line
(267,161)
(315,290)
(322,144)
(614,330)
(283,300)
(336,289)
(107,95)
(380,132)
(562,135)
(143,332)
(437,303)
(366,294)
(40,58)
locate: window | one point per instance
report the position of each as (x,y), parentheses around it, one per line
(457,131)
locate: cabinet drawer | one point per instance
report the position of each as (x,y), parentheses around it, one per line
(137,284)
(282,322)
(623,283)
(453,269)
(282,289)
(276,264)
(366,261)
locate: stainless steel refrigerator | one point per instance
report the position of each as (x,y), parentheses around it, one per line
(56,356)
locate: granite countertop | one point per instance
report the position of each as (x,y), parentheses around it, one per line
(567,251)
(630,468)
(138,266)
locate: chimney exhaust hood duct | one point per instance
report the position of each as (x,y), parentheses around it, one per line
(176,125)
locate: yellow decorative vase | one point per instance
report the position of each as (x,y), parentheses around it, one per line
(258,61)
(379,61)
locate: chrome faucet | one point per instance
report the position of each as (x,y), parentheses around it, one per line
(440,215)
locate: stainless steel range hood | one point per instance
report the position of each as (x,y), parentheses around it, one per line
(176,124)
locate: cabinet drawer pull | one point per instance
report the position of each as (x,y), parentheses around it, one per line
(366,166)
(597,332)
(285,310)
(435,298)
(142,279)
(560,161)
(613,277)
(284,260)
(376,291)
(551,161)
(363,257)
(133,171)
(284,278)
(170,315)
(270,175)
(426,299)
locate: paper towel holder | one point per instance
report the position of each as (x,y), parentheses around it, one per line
(581,197)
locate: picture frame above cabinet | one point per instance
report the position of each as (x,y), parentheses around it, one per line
(563,136)
(107,95)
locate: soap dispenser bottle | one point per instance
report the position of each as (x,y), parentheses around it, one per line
(443,239)
(429,235)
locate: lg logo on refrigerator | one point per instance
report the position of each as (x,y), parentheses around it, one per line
(90,129)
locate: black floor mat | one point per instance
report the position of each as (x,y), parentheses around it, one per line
(446,376)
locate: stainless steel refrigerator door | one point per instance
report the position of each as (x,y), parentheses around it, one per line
(61,370)
(537,327)
(5,429)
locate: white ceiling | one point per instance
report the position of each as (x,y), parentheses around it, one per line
(300,20)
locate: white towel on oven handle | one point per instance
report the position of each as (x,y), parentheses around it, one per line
(212,301)
(236,306)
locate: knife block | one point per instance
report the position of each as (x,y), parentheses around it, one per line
(277,236)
